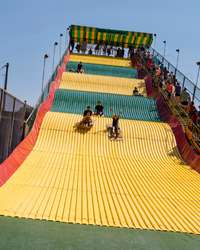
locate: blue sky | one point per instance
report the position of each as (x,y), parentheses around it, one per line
(29,29)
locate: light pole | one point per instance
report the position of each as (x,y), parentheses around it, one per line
(163,58)
(155,38)
(3,95)
(198,64)
(54,53)
(60,46)
(164,42)
(43,73)
(177,59)
(67,31)
(6,75)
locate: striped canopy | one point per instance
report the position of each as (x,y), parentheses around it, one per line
(110,37)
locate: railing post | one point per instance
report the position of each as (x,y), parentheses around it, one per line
(183,83)
(193,96)
(163,60)
(12,126)
(153,52)
(6,76)
(1,101)
(24,122)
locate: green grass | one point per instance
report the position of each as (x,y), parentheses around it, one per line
(26,234)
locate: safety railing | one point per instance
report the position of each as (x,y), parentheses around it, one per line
(184,81)
(13,113)
(185,120)
(175,107)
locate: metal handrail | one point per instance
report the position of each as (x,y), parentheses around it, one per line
(185,121)
(185,79)
(195,128)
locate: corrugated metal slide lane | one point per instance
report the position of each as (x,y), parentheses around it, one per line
(139,182)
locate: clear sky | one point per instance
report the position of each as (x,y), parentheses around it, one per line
(29,29)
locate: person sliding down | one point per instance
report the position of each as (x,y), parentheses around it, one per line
(115,125)
(99,109)
(87,121)
(80,68)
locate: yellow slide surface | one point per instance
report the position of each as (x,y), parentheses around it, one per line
(104,84)
(100,60)
(139,182)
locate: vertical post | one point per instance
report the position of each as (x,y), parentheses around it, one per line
(54,53)
(12,126)
(177,60)
(183,83)
(155,38)
(153,53)
(24,123)
(6,76)
(67,31)
(164,42)
(1,102)
(164,48)
(60,47)
(5,87)
(25,106)
(195,87)
(43,75)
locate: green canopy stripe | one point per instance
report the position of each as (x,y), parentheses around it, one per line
(141,39)
(130,39)
(111,37)
(135,40)
(88,34)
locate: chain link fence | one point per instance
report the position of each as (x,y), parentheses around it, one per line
(13,113)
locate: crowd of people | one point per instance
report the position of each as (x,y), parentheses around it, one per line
(167,83)
(99,49)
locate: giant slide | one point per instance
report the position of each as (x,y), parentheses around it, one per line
(138,182)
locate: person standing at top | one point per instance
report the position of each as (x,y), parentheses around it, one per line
(90,51)
(96,49)
(84,46)
(104,49)
(72,44)
(78,47)
(122,52)
(108,51)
